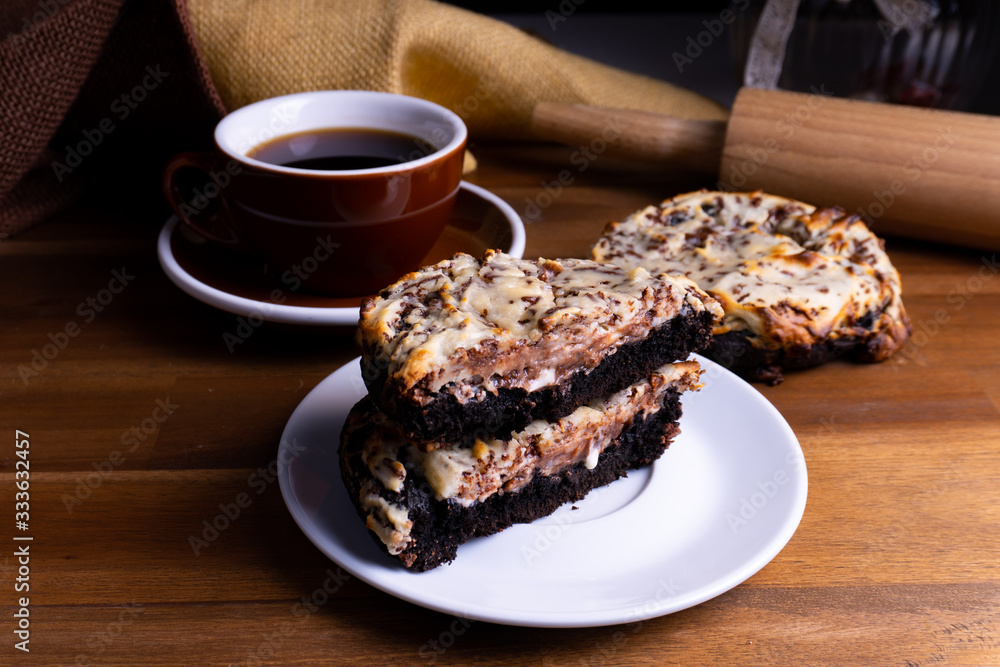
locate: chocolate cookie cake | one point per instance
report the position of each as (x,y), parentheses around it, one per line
(501,388)
(505,341)
(422,502)
(799,285)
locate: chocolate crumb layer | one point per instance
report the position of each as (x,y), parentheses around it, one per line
(435,528)
(447,419)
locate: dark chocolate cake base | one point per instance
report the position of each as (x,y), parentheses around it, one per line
(737,352)
(446,419)
(440,527)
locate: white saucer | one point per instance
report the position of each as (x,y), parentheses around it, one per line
(719,504)
(241,285)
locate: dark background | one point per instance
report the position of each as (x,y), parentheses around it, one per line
(626,34)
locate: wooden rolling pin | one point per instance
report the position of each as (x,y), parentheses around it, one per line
(909,172)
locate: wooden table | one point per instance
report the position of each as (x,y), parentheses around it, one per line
(144,423)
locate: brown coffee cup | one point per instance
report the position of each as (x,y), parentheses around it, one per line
(347,230)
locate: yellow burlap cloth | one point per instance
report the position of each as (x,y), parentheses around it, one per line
(491,74)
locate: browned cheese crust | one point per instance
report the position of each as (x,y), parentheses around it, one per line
(420,504)
(470,327)
(799,285)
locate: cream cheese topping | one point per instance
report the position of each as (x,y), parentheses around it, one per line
(507,322)
(785,272)
(387,520)
(467,475)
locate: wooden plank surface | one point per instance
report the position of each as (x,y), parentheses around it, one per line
(896,561)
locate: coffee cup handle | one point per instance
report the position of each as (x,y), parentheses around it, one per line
(207,213)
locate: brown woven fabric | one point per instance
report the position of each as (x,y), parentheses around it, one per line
(151,87)
(96,95)
(65,66)
(47,54)
(487,71)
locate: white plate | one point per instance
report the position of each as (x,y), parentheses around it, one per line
(719,504)
(239,284)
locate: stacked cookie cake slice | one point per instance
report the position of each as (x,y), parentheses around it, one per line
(501,388)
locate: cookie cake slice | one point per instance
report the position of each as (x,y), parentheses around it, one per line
(502,388)
(504,341)
(800,285)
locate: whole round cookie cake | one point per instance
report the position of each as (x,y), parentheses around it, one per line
(799,285)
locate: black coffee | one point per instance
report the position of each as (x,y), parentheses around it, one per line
(342,148)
